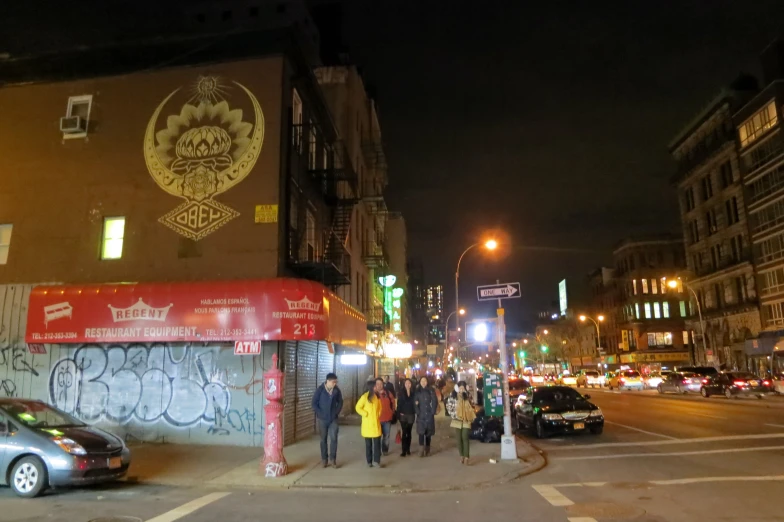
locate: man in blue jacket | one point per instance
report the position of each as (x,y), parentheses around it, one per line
(327,403)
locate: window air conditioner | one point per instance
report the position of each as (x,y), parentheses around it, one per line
(71,124)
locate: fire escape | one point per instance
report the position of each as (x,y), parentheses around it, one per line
(373,252)
(328,169)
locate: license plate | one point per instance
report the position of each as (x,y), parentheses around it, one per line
(115,462)
(754,383)
(579,426)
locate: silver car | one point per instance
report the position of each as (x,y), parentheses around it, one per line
(41,446)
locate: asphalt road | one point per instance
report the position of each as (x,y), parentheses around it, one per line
(659,459)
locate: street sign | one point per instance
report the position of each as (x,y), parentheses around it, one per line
(500,291)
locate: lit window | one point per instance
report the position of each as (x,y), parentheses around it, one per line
(656,311)
(756,126)
(647,310)
(685,338)
(113,233)
(666,309)
(5,242)
(654,287)
(644,286)
(664,285)
(668,338)
(637,310)
(634,284)
(651,339)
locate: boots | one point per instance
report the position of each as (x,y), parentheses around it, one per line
(421,452)
(427,451)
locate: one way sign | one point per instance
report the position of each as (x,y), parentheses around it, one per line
(500,291)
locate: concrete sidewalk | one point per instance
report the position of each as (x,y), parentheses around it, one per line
(229,466)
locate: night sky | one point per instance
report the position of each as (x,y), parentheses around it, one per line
(550,122)
(546,121)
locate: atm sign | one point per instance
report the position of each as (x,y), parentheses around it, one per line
(247,347)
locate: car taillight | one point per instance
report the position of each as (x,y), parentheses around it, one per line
(622,380)
(766,383)
(705,381)
(739,383)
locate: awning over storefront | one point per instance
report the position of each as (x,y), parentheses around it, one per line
(764,344)
(267,310)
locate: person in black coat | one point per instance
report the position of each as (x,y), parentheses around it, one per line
(327,404)
(426,409)
(406,413)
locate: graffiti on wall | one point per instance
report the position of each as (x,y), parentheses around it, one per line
(136,382)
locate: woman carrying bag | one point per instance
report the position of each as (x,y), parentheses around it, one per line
(369,408)
(406,413)
(461,410)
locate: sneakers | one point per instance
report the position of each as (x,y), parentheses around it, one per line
(334,464)
(324,464)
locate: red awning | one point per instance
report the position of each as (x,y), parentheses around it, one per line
(268,309)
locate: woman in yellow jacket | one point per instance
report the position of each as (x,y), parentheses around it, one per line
(369,408)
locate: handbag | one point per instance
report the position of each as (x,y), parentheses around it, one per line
(398,438)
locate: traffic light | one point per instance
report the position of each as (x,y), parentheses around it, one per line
(522,354)
(544,349)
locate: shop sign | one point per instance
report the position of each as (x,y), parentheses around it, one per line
(659,357)
(386,367)
(247,347)
(36,349)
(398,351)
(266,214)
(260,310)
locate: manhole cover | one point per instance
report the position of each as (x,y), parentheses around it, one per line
(116,519)
(604,510)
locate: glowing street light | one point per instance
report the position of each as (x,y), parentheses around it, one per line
(583,318)
(546,332)
(676,283)
(490,244)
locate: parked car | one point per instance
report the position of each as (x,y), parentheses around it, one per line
(626,379)
(588,378)
(41,446)
(567,379)
(557,409)
(516,388)
(734,384)
(681,382)
(652,380)
(606,377)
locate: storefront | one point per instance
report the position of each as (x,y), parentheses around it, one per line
(650,361)
(182,362)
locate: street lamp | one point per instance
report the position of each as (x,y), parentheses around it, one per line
(490,244)
(598,333)
(446,325)
(673,283)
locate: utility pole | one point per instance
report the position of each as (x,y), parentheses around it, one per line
(508,443)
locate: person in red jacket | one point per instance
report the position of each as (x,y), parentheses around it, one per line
(387,414)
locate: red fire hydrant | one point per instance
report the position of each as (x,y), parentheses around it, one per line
(274,463)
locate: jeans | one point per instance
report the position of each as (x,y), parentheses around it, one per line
(329,429)
(424,440)
(386,428)
(373,450)
(462,441)
(406,436)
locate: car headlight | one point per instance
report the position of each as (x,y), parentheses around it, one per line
(551,416)
(69,446)
(596,413)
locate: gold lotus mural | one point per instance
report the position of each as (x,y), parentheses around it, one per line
(205,148)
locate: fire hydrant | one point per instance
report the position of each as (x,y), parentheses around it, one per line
(274,463)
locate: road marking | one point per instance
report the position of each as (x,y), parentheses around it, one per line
(698,480)
(186,509)
(638,429)
(710,416)
(581,519)
(775,425)
(667,442)
(673,454)
(580,484)
(552,495)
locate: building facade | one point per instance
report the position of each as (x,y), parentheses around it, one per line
(651,315)
(219,191)
(716,230)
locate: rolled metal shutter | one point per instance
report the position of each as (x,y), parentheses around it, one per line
(326,362)
(307,381)
(290,394)
(347,382)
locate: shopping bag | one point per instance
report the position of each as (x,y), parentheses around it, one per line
(398,438)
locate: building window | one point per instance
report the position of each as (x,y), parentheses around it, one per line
(5,242)
(725,172)
(770,282)
(637,310)
(659,339)
(79,106)
(694,232)
(644,286)
(634,285)
(666,309)
(647,310)
(310,236)
(654,287)
(685,338)
(731,206)
(736,246)
(767,184)
(768,217)
(683,308)
(764,119)
(761,154)
(707,188)
(664,285)
(656,311)
(688,198)
(312,146)
(771,249)
(715,251)
(113,233)
(774,315)
(296,118)
(710,220)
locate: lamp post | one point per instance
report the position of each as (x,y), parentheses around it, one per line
(598,333)
(490,244)
(446,329)
(672,283)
